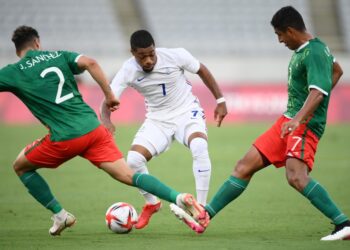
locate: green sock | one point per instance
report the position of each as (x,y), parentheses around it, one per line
(319,197)
(229,191)
(154,186)
(39,189)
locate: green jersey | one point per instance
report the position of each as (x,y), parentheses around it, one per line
(311,67)
(44,82)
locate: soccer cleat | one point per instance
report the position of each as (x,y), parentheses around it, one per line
(147,211)
(189,204)
(186,218)
(341,232)
(61,223)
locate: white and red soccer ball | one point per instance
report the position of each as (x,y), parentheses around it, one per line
(121,217)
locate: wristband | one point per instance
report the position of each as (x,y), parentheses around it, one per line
(220,100)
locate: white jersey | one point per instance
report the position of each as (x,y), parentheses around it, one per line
(166,90)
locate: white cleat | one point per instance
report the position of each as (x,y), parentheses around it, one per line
(342,234)
(61,223)
(186,218)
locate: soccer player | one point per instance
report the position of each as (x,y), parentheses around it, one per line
(44,81)
(292,140)
(173,112)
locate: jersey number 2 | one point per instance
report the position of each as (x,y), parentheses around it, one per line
(59,97)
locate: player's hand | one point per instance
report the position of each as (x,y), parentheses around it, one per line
(112,103)
(289,127)
(220,113)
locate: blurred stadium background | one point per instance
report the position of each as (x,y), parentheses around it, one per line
(233,38)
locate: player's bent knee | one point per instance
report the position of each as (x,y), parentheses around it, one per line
(201,160)
(296,181)
(17,167)
(22,165)
(242,170)
(136,161)
(199,147)
(291,180)
(201,163)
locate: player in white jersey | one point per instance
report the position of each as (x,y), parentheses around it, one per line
(173,112)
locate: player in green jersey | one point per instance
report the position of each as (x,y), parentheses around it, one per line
(44,82)
(293,139)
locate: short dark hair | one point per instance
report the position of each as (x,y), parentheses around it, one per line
(286,17)
(23,36)
(141,39)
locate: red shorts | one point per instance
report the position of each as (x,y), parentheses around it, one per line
(302,144)
(97,146)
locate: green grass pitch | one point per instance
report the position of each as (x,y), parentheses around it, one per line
(269,215)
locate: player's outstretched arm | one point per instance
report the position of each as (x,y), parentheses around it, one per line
(94,69)
(105,113)
(337,73)
(208,79)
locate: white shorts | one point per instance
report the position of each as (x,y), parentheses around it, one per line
(157,136)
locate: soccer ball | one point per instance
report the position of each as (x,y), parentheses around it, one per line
(121,217)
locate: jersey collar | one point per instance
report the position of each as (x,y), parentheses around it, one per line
(302,46)
(29,53)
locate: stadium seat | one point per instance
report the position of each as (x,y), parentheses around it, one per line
(80,25)
(218,27)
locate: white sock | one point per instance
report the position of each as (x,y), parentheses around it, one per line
(137,162)
(201,168)
(61,214)
(202,196)
(150,198)
(178,201)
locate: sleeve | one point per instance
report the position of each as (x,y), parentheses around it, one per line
(319,67)
(119,82)
(186,61)
(72,60)
(4,83)
(3,86)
